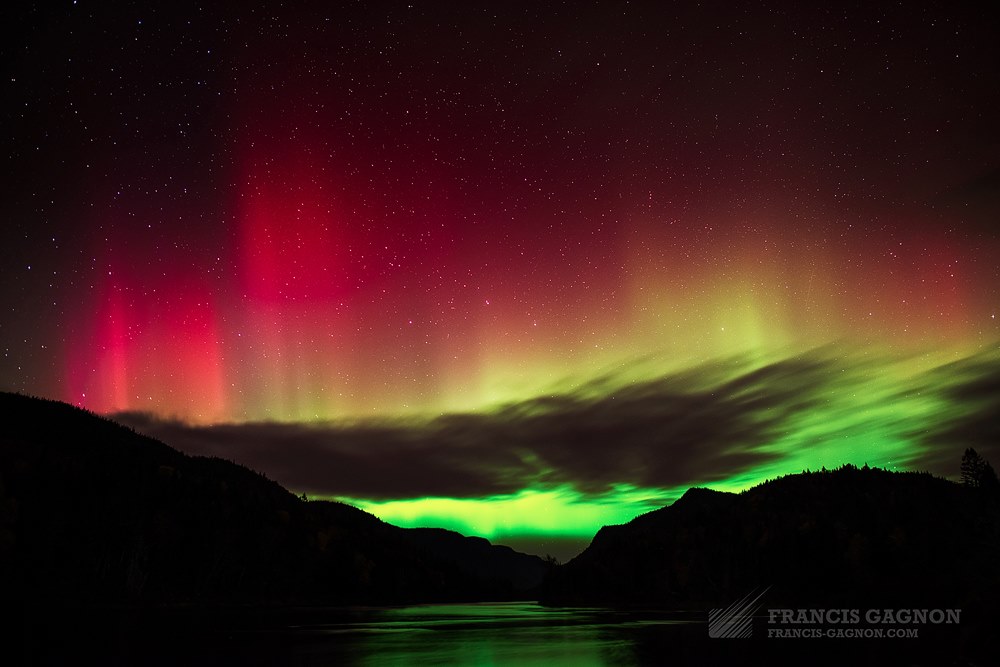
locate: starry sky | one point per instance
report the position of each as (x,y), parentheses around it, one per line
(518,269)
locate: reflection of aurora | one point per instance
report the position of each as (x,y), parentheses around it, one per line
(628,441)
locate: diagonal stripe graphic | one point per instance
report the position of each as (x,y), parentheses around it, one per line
(734,622)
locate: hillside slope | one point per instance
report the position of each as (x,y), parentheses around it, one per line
(829,538)
(92,512)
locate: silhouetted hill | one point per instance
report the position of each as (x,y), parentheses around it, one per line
(92,512)
(845,537)
(476,556)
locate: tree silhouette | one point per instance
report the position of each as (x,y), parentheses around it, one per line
(977,471)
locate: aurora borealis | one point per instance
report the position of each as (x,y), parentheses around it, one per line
(520,269)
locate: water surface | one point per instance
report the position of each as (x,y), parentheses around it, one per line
(510,633)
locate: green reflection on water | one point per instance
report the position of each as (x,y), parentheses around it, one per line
(520,633)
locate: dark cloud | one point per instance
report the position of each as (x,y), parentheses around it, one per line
(375,462)
(970,416)
(674,431)
(667,432)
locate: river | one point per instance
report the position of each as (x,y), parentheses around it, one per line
(509,633)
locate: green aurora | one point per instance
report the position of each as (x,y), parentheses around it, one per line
(589,453)
(864,408)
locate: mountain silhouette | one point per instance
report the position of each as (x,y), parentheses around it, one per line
(825,538)
(93,513)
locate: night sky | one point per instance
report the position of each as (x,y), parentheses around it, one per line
(516,269)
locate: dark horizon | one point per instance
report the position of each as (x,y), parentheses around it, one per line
(727,429)
(112,542)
